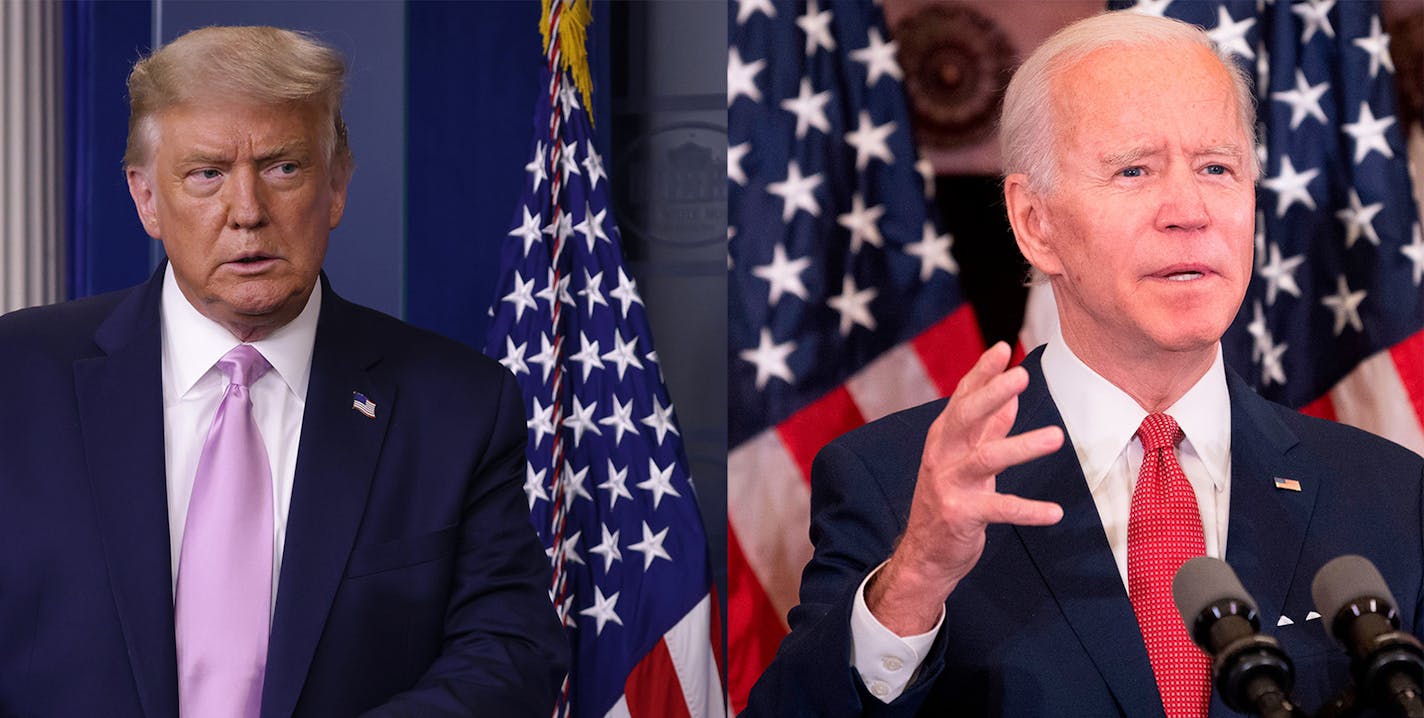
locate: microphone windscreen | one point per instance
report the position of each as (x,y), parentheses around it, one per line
(1203,581)
(1344,579)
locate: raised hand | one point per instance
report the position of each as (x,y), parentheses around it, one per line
(955,498)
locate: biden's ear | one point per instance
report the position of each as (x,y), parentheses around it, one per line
(1029,219)
(145,202)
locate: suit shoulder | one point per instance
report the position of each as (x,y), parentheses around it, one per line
(904,428)
(1341,442)
(63,330)
(417,349)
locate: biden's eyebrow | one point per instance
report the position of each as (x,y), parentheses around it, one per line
(1128,156)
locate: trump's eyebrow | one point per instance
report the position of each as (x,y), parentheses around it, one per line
(298,148)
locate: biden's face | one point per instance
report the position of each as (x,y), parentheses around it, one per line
(1147,234)
(243,198)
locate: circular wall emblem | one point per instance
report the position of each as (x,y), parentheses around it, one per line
(957,62)
(673,185)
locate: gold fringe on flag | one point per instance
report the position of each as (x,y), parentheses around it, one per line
(573,38)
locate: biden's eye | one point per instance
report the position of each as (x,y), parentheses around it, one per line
(1131,172)
(1216,169)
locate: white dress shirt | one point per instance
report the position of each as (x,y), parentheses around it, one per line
(1101,421)
(193,388)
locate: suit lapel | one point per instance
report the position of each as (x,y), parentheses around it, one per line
(1074,558)
(120,399)
(335,464)
(1268,525)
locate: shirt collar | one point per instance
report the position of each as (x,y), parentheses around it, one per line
(1102,420)
(204,341)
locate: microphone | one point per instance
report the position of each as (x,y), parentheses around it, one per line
(1251,671)
(1358,610)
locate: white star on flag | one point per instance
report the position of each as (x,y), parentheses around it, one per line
(735,155)
(1303,100)
(608,548)
(1369,133)
(528,230)
(622,354)
(1346,305)
(602,609)
(1377,45)
(1359,220)
(514,357)
(1314,15)
(626,292)
(770,359)
(1290,187)
(933,251)
(783,275)
(616,485)
(522,297)
(581,420)
(796,192)
(869,141)
(594,164)
(1230,35)
(878,58)
(741,77)
(659,482)
(809,108)
(863,223)
(853,305)
(592,226)
(587,356)
(1279,274)
(816,23)
(621,419)
(660,421)
(542,422)
(651,546)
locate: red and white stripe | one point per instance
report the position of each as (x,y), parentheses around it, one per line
(769,491)
(679,677)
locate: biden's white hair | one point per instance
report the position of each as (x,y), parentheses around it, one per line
(1026,123)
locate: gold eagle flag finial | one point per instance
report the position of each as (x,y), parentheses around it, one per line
(574,17)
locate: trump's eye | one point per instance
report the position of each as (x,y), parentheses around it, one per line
(209,173)
(287,168)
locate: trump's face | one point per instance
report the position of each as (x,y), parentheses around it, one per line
(1147,234)
(243,198)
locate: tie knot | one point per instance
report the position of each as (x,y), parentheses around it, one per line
(1159,431)
(244,365)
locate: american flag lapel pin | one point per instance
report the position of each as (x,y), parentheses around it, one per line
(1287,484)
(360,403)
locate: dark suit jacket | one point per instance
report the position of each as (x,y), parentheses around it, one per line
(1042,625)
(411,575)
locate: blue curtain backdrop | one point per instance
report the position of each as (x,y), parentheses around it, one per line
(107,247)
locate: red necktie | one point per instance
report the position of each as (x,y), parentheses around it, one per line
(1164,529)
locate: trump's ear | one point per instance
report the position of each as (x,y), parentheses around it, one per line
(1028,217)
(141,190)
(340,181)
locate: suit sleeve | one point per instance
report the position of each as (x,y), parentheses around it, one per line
(504,651)
(854,528)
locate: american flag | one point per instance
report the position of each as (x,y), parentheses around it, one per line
(607,476)
(844,296)
(1333,322)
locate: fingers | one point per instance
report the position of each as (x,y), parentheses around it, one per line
(995,455)
(1008,509)
(990,364)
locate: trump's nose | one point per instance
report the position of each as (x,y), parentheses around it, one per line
(246,207)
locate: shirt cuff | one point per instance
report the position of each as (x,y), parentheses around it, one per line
(885,661)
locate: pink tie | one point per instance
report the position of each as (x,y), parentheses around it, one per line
(1164,529)
(225,568)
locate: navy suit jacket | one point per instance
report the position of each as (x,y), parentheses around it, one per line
(1042,625)
(411,579)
